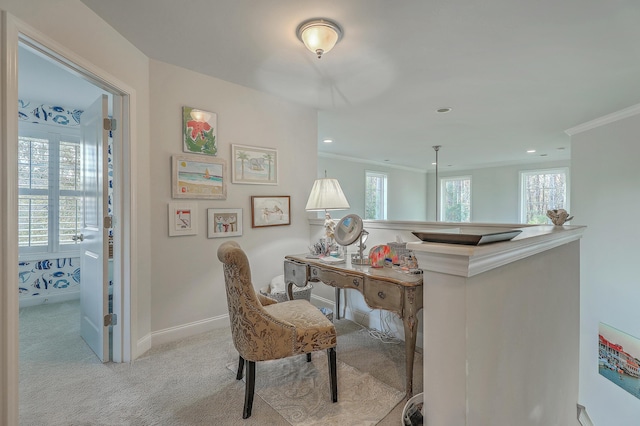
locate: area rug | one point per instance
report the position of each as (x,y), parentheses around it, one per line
(299,392)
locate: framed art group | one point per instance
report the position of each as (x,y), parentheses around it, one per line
(199,174)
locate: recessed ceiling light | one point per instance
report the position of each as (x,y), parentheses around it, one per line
(443,110)
(327,140)
(543,155)
(531,151)
(433,164)
(386,159)
(560,148)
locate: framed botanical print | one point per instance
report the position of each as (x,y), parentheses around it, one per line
(199,130)
(270,211)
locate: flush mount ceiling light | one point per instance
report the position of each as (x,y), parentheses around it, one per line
(443,110)
(319,35)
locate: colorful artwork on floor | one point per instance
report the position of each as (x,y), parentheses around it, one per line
(619,358)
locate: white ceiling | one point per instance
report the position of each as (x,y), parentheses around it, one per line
(517,73)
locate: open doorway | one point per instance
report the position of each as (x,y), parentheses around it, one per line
(53,213)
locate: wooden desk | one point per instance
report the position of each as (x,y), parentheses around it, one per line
(382,288)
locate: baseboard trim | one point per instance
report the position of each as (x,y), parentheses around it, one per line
(172,334)
(142,346)
(41,299)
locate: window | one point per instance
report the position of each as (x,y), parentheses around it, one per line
(542,190)
(49,190)
(455,197)
(375,203)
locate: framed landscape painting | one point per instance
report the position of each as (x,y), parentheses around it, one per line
(270,211)
(224,223)
(199,131)
(199,177)
(254,165)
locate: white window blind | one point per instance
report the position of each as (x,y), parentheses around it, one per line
(49,190)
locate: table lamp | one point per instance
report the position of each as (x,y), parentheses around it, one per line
(326,195)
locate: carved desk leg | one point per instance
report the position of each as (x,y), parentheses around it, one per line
(410,321)
(290,290)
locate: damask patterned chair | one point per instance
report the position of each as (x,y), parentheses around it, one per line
(263,329)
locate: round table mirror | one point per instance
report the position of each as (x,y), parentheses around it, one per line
(348,229)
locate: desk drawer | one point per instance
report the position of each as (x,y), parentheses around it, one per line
(295,272)
(384,295)
(334,278)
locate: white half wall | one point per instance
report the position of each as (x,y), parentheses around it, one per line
(606,198)
(187,278)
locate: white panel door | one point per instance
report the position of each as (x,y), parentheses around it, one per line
(94,283)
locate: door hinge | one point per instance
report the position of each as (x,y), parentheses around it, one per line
(109,124)
(108,221)
(110,319)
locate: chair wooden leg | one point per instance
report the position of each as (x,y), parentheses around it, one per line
(240,368)
(333,374)
(309,357)
(249,389)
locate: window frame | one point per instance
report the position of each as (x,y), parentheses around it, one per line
(552,170)
(384,193)
(443,181)
(55,136)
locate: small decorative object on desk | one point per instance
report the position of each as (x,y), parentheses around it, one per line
(382,255)
(559,216)
(322,247)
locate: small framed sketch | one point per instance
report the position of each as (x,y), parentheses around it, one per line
(270,211)
(183,219)
(196,176)
(199,129)
(224,223)
(254,165)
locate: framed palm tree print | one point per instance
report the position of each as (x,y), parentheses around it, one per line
(254,165)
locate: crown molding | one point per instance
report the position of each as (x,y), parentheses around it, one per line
(376,163)
(606,119)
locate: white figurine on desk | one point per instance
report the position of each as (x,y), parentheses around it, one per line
(329,226)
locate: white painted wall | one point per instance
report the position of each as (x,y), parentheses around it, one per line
(406,192)
(606,198)
(495,191)
(187,278)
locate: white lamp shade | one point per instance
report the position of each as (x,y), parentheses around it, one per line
(326,194)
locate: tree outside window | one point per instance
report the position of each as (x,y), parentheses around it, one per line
(455,203)
(542,190)
(375,205)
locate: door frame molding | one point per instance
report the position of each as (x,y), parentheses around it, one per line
(12,32)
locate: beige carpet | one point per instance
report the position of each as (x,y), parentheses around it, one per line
(181,383)
(299,391)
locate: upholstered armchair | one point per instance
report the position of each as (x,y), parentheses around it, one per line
(263,329)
